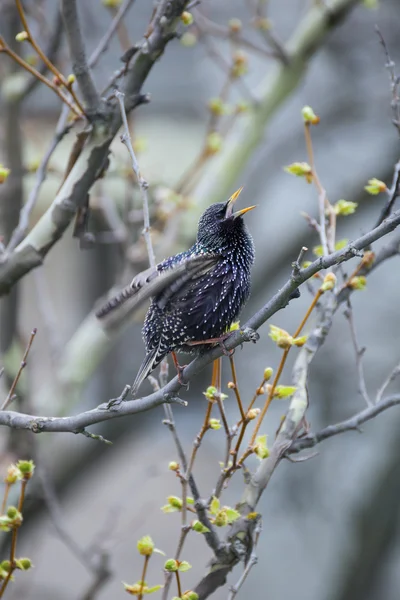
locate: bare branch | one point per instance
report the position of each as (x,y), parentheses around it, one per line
(23,224)
(77,51)
(352,424)
(393,194)
(394,81)
(126,139)
(18,375)
(359,352)
(392,376)
(105,40)
(208,27)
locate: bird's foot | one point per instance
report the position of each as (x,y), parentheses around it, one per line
(219,341)
(179,369)
(224,349)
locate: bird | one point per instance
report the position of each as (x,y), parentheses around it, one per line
(196,294)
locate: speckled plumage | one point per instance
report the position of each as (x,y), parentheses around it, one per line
(204,305)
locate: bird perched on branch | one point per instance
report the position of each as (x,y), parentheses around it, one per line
(196,294)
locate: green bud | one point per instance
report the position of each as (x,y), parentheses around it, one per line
(329,282)
(145,546)
(210,392)
(216,106)
(175,501)
(13,474)
(309,115)
(261,449)
(187,18)
(12,512)
(213,143)
(358,283)
(375,186)
(171,565)
(300,169)
(268,372)
(221,518)
(22,36)
(190,595)
(24,564)
(281,337)
(26,467)
(344,207)
(198,527)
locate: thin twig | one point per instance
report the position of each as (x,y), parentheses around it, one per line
(126,139)
(352,424)
(359,352)
(209,27)
(22,63)
(113,27)
(236,387)
(296,266)
(43,56)
(18,375)
(268,35)
(23,223)
(394,81)
(392,193)
(143,577)
(322,197)
(178,583)
(391,377)
(77,51)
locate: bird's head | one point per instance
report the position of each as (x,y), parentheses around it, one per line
(219,222)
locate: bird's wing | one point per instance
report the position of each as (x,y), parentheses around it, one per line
(154,282)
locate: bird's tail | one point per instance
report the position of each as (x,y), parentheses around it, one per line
(148,365)
(115,302)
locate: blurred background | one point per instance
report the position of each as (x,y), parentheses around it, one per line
(331,524)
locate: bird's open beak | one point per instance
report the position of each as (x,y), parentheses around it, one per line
(231,202)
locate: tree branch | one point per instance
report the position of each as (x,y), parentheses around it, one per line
(168,393)
(77,51)
(92,161)
(352,424)
(105,40)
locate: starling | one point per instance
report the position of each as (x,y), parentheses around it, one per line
(196,294)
